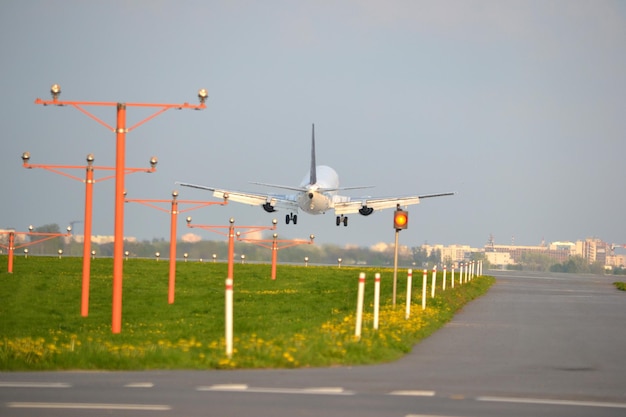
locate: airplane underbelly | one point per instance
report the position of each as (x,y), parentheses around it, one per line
(316,205)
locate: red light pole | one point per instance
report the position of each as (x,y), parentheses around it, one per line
(275,247)
(120,131)
(89,182)
(11,244)
(229,278)
(173,217)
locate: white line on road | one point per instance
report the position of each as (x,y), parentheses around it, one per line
(414,393)
(425,415)
(552,402)
(8,384)
(246,388)
(89,406)
(139,385)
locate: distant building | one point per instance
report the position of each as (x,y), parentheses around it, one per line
(593,250)
(102,239)
(499,258)
(452,253)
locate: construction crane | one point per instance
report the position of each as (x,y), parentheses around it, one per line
(73,222)
(615,245)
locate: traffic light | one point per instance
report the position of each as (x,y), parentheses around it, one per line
(400,219)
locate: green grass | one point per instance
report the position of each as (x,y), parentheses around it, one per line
(306,317)
(620,285)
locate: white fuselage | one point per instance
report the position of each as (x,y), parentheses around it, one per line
(318,197)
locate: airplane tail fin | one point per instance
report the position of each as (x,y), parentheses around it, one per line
(313,174)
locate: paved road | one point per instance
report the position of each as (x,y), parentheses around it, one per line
(535,345)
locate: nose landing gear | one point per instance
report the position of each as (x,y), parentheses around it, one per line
(291,218)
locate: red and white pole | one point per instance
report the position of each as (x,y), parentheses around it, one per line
(433,282)
(424,281)
(376,299)
(409,286)
(229,289)
(359,306)
(452,274)
(229,317)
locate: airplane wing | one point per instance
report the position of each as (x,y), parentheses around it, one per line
(347,205)
(254,199)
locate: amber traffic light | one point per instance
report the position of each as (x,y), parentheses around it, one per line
(400,219)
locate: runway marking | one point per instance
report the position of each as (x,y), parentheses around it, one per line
(246,388)
(413,393)
(425,415)
(90,406)
(553,402)
(7,384)
(224,387)
(139,385)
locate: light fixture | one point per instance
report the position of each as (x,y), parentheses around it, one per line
(203,95)
(55,90)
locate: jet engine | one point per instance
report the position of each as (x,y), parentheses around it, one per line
(366,211)
(269,208)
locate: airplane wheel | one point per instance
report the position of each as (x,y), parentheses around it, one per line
(345,221)
(287,218)
(295,219)
(338,220)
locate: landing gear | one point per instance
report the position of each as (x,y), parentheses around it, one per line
(342,219)
(291,218)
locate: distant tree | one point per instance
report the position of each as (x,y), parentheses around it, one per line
(532,261)
(579,265)
(597,268)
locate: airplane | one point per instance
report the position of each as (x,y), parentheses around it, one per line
(316,194)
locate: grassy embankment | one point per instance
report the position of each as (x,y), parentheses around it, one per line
(304,318)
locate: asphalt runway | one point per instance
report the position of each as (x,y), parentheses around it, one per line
(537,344)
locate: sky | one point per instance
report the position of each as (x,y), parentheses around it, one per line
(517,106)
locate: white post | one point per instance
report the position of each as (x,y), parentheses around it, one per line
(424,279)
(409,285)
(359,306)
(433,282)
(376,299)
(466,271)
(444,277)
(460,273)
(452,274)
(229,317)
